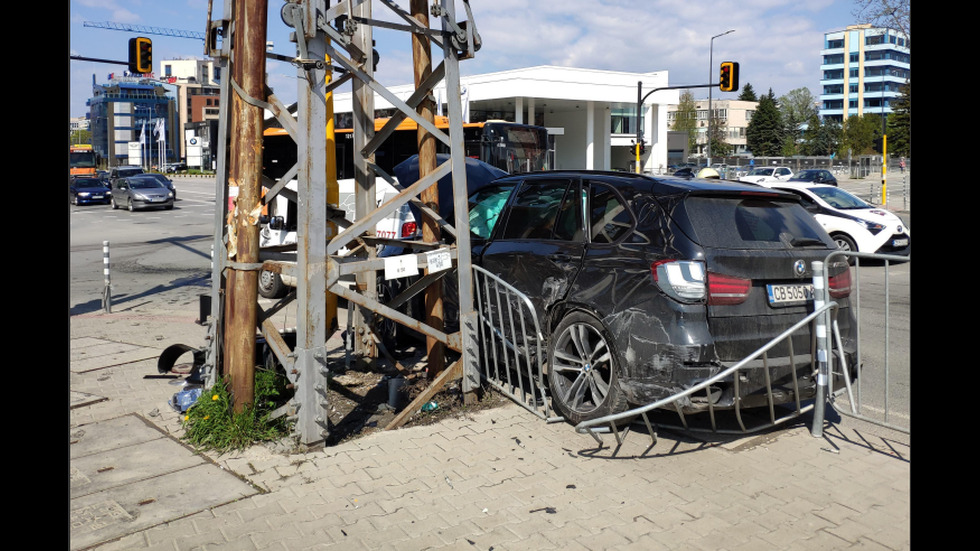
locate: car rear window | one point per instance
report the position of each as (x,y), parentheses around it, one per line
(752,223)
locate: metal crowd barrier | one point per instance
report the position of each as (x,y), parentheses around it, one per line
(511,343)
(513,348)
(855,406)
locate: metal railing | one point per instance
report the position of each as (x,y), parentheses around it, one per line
(511,353)
(874,372)
(614,423)
(513,348)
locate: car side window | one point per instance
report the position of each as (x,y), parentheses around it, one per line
(485,208)
(609,217)
(535,210)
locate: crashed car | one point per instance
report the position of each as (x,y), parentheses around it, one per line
(647,286)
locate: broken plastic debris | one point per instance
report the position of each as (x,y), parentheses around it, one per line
(185,399)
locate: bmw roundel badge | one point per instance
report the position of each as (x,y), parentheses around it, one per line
(799,268)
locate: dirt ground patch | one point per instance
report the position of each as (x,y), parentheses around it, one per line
(360,401)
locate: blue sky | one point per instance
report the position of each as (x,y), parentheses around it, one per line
(776,42)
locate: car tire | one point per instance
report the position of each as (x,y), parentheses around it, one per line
(114,205)
(583,370)
(271,285)
(846,244)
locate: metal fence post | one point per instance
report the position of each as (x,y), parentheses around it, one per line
(106,293)
(819,300)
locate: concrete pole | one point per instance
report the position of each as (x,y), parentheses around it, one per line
(422,55)
(248,70)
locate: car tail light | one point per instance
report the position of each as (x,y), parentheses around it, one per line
(727,290)
(687,281)
(409,229)
(840,284)
(680,279)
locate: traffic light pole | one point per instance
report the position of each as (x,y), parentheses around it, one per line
(640,98)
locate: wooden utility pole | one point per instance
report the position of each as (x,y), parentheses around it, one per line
(422,55)
(241,306)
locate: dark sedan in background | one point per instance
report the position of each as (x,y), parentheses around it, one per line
(85,191)
(815,176)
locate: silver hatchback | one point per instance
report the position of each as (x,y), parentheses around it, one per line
(140,192)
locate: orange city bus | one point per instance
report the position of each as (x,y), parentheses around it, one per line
(81,160)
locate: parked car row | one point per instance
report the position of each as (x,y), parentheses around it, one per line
(761,175)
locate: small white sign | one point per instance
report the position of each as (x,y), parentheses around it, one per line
(438,260)
(401,266)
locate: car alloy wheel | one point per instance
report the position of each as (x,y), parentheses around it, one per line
(583,370)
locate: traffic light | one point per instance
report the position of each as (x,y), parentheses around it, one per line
(728,82)
(140,55)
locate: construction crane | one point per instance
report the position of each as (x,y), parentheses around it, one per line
(144,30)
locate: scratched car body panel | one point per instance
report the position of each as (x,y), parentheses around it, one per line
(673,277)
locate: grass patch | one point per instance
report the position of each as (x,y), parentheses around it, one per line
(210,423)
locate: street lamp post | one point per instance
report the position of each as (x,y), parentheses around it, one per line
(711,71)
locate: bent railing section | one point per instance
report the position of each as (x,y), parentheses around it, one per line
(511,343)
(615,423)
(871,400)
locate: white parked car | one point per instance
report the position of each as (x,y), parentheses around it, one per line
(767,174)
(854,224)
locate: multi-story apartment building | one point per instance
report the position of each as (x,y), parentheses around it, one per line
(132,111)
(863,70)
(732,117)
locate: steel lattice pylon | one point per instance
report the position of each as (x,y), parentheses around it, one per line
(338,38)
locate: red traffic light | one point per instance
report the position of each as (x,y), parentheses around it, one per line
(728,80)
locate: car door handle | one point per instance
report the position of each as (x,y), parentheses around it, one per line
(560,257)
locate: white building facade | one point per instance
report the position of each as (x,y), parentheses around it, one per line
(590,113)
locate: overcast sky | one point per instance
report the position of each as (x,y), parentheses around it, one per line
(776,42)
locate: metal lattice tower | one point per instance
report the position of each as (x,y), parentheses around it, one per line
(331,39)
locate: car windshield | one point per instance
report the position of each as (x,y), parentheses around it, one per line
(142,183)
(807,175)
(761,172)
(89,182)
(838,198)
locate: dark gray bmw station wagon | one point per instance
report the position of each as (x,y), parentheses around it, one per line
(646,286)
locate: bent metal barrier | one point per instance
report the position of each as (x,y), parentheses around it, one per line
(511,343)
(512,348)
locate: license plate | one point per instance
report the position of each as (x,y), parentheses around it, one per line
(901,242)
(790,294)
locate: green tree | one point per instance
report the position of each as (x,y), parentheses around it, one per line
(796,108)
(719,147)
(764,135)
(820,138)
(686,118)
(747,93)
(859,135)
(900,125)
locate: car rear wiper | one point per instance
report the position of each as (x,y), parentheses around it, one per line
(804,241)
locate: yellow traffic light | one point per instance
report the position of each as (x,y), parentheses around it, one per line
(140,55)
(728,81)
